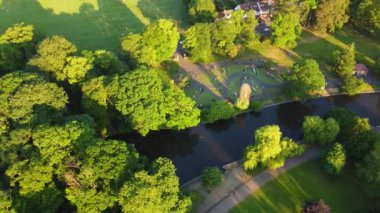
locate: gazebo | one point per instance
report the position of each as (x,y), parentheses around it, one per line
(360,70)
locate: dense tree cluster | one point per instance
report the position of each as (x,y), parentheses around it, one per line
(286,29)
(270,150)
(317,130)
(48,157)
(367,16)
(222,37)
(149,103)
(304,78)
(331,15)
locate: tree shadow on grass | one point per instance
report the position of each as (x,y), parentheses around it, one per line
(169,9)
(91,28)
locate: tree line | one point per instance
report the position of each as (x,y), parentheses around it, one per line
(58,106)
(346,140)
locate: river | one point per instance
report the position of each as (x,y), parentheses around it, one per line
(223,142)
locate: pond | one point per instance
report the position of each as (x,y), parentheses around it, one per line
(223,142)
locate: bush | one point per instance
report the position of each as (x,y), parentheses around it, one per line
(219,110)
(212,176)
(256,106)
(334,159)
(353,86)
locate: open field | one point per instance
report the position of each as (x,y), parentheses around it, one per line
(90,24)
(321,47)
(307,182)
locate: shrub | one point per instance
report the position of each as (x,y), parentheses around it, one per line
(219,110)
(334,159)
(212,176)
(256,106)
(270,150)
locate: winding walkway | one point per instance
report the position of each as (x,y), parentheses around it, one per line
(237,195)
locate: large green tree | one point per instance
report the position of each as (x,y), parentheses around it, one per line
(22,37)
(303,8)
(149,103)
(155,190)
(105,165)
(345,62)
(367,16)
(286,29)
(248,32)
(270,150)
(224,34)
(305,78)
(331,15)
(198,42)
(156,44)
(27,97)
(334,159)
(317,130)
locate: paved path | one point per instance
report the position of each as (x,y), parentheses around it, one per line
(253,184)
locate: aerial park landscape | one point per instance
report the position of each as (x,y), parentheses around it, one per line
(190,106)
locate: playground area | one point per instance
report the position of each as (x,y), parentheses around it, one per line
(223,81)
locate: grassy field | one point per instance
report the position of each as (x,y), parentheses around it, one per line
(90,24)
(288,192)
(321,47)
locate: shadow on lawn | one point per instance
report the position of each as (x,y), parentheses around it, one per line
(321,47)
(175,10)
(91,28)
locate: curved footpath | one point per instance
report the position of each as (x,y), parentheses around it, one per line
(238,185)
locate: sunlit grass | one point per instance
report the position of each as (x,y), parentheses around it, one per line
(90,24)
(288,192)
(67,6)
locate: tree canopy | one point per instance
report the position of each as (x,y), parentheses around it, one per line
(157,44)
(51,56)
(198,42)
(286,29)
(149,103)
(270,150)
(367,16)
(331,15)
(219,110)
(305,78)
(317,130)
(155,190)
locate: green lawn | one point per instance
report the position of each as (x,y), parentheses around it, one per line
(288,192)
(90,24)
(321,47)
